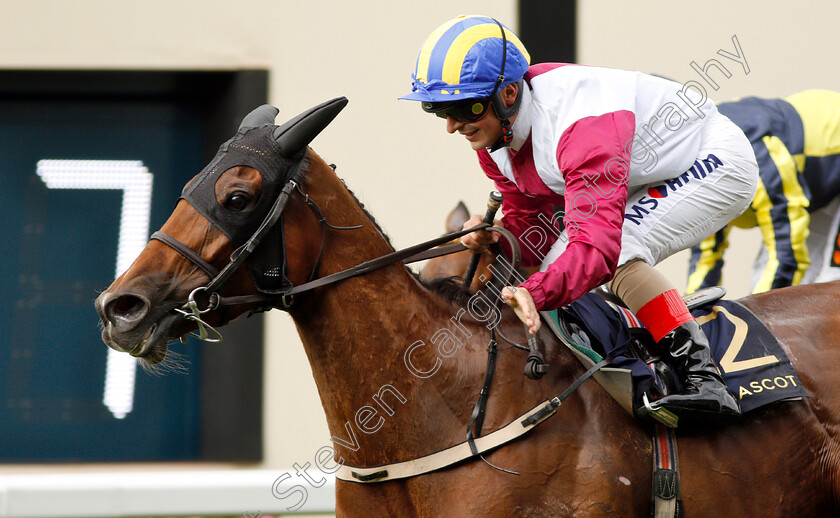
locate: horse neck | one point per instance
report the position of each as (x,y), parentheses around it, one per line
(356,334)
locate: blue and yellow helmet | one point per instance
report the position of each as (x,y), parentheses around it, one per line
(463,59)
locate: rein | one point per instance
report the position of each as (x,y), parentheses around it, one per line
(475,444)
(191,309)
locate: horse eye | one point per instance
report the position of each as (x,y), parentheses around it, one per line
(237,201)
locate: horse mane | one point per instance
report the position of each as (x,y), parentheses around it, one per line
(362,206)
(450,288)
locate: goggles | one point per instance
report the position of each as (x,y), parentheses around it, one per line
(469,110)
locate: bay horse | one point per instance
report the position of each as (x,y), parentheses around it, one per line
(590,459)
(456,264)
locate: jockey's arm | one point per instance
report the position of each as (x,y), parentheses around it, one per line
(595,172)
(528,218)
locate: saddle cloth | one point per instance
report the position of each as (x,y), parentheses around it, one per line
(753,364)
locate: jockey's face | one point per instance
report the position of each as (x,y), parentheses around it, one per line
(484,132)
(481,133)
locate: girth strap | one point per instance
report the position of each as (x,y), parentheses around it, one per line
(666,494)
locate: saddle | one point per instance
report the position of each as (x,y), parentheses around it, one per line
(753,364)
(754,367)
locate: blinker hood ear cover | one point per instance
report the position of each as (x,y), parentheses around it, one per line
(277,153)
(297,133)
(260,116)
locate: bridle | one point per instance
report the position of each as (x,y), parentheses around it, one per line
(292,140)
(192,310)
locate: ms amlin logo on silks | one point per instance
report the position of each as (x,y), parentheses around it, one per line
(648,203)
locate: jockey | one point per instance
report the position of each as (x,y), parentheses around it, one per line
(797,206)
(643,167)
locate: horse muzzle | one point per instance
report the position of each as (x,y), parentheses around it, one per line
(129,327)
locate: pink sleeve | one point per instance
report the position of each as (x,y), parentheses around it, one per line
(521,215)
(594,162)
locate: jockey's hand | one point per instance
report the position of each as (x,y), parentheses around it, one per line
(479,240)
(522,303)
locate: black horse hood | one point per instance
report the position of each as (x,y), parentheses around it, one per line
(278,153)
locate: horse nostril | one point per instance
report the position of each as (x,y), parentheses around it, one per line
(126,308)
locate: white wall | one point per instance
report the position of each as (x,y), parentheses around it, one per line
(788,46)
(398,160)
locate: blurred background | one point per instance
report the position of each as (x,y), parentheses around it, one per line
(108,108)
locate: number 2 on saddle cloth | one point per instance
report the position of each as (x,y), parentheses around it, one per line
(753,364)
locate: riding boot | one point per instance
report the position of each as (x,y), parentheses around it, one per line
(704,391)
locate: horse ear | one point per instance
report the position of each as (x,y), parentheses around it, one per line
(300,131)
(456,219)
(261,116)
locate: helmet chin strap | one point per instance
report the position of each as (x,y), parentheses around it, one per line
(506,138)
(503,113)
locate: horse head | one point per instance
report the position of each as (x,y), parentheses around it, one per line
(208,252)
